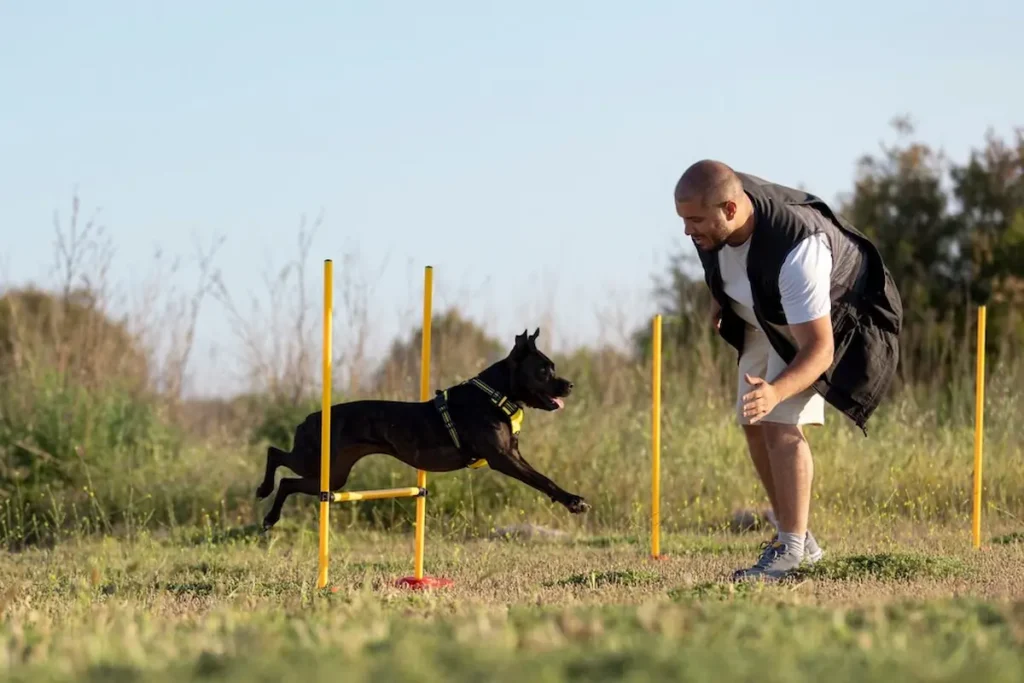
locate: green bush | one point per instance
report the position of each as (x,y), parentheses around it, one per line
(59,440)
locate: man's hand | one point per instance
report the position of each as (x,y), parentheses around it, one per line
(761,400)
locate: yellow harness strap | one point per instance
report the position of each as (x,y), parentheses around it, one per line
(513,411)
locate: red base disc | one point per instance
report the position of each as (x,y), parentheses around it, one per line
(663,556)
(425,582)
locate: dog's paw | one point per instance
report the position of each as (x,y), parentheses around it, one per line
(270,520)
(577,505)
(263,491)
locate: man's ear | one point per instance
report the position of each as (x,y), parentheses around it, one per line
(729,208)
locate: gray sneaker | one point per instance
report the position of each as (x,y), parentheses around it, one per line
(776,562)
(812,551)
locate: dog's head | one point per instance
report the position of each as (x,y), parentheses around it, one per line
(534,383)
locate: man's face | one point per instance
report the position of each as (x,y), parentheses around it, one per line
(707,226)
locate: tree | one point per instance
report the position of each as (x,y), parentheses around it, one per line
(990,191)
(949,250)
(899,202)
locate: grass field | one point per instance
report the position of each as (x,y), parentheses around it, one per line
(150,568)
(128,547)
(908,602)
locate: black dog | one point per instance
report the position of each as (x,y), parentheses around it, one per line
(468,424)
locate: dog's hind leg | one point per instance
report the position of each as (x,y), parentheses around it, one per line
(275,458)
(309,483)
(302,459)
(289,486)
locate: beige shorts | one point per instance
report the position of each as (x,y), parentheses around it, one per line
(759,359)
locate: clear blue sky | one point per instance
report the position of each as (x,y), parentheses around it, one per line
(527,150)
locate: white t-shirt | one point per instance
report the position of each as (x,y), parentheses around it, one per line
(804,281)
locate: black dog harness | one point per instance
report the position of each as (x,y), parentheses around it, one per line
(512,410)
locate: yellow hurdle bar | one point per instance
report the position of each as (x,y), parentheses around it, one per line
(325,428)
(656,440)
(421,476)
(979,425)
(377,494)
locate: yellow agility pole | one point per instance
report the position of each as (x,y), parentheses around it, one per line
(421,476)
(325,428)
(376,494)
(418,580)
(326,496)
(979,424)
(656,440)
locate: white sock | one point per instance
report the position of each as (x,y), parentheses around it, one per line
(794,542)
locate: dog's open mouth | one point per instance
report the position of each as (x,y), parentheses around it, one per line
(556,402)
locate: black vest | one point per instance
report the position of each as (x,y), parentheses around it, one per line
(867,313)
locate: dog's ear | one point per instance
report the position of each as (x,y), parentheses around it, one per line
(522,344)
(531,340)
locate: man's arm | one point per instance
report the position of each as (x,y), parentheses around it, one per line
(813,357)
(805,286)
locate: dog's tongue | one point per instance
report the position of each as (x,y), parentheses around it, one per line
(559,402)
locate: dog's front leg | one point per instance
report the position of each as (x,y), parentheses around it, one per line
(514,465)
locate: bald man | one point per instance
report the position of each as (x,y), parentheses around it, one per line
(813,313)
